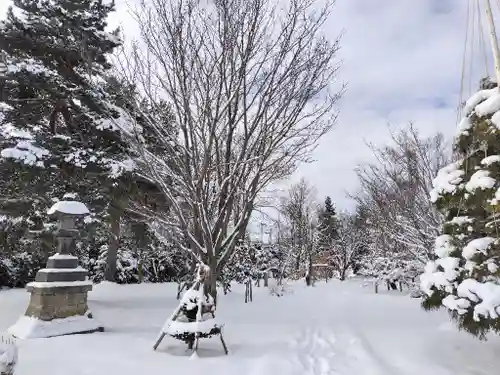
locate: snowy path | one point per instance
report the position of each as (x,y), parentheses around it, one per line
(320,352)
(355,332)
(314,352)
(332,329)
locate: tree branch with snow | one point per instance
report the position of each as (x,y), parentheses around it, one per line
(251,87)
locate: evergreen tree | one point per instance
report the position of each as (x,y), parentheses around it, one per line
(56,127)
(464,277)
(327,224)
(360,218)
(241,263)
(63,126)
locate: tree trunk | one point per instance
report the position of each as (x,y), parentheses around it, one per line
(139,230)
(342,274)
(297,263)
(112,256)
(210,285)
(213,289)
(309,272)
(248,285)
(140,273)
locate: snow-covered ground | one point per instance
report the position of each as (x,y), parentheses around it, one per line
(331,329)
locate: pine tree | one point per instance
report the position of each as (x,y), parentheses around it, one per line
(56,121)
(63,125)
(464,277)
(327,224)
(240,264)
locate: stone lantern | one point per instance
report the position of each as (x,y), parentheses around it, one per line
(58,303)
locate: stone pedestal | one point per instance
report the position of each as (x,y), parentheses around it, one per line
(58,303)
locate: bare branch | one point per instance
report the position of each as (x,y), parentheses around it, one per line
(251,89)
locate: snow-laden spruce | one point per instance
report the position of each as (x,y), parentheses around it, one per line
(64,126)
(43,88)
(465,275)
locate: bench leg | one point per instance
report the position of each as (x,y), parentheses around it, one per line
(159,340)
(191,344)
(197,340)
(223,344)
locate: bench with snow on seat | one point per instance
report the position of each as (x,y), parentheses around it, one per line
(194,318)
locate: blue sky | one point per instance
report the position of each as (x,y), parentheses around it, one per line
(402,62)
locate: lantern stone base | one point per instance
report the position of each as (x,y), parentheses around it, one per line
(50,302)
(55,309)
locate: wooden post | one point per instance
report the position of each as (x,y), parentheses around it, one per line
(157,343)
(223,342)
(248,286)
(493,40)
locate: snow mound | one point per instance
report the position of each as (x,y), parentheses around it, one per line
(28,327)
(480,180)
(179,327)
(446,181)
(478,245)
(26,152)
(9,131)
(443,273)
(483,103)
(63,256)
(69,207)
(123,123)
(58,284)
(489,160)
(118,167)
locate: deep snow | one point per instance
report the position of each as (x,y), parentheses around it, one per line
(332,329)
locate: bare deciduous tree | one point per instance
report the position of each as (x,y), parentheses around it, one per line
(250,85)
(299,210)
(394,196)
(347,246)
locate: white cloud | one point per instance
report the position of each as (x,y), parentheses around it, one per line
(401,60)
(3,8)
